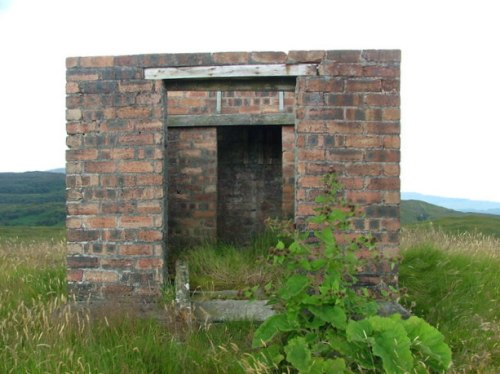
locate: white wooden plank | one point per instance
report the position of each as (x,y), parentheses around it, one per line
(231,71)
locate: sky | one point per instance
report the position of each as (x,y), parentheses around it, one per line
(450,78)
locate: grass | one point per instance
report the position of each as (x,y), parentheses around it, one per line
(452,281)
(41,333)
(39,234)
(488,225)
(214,267)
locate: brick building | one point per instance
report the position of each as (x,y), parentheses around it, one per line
(166,148)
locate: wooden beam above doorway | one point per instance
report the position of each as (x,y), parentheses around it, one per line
(231,71)
(281,119)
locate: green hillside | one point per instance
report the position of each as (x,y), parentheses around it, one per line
(32,199)
(416,211)
(483,223)
(419,212)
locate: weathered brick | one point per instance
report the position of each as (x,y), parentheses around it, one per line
(82,235)
(72,88)
(382,100)
(344,154)
(133,112)
(363,85)
(73,115)
(81,75)
(188,59)
(384,183)
(340,69)
(229,58)
(391,85)
(324,84)
(136,139)
(136,167)
(344,56)
(82,208)
(80,128)
(98,87)
(98,61)
(382,55)
(136,221)
(383,155)
(81,154)
(364,169)
(135,250)
(150,235)
(74,141)
(364,197)
(135,86)
(100,167)
(74,275)
(381,71)
(101,276)
(72,62)
(149,263)
(117,263)
(268,57)
(101,222)
(82,262)
(305,56)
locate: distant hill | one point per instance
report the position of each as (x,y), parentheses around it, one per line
(58,170)
(32,199)
(415,211)
(419,212)
(462,205)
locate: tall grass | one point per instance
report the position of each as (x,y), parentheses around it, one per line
(452,281)
(41,333)
(223,266)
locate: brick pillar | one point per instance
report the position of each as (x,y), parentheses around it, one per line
(192,185)
(288,146)
(347,121)
(115,180)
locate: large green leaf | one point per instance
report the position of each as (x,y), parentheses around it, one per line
(334,366)
(326,366)
(428,342)
(331,314)
(294,286)
(388,340)
(269,328)
(298,354)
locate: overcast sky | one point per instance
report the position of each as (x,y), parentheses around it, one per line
(450,68)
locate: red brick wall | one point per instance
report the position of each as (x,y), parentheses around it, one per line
(195,169)
(192,185)
(115,179)
(347,119)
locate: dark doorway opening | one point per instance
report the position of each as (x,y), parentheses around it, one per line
(250,180)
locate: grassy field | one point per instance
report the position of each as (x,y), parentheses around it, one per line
(43,234)
(449,279)
(452,281)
